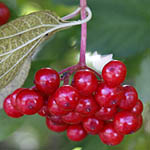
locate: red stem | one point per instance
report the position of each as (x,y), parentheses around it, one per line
(83,5)
(69,69)
(82,62)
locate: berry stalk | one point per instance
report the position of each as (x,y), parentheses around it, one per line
(67,72)
(83,5)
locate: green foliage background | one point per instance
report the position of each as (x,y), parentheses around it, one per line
(121,27)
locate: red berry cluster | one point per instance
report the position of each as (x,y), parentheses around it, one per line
(4,13)
(87,106)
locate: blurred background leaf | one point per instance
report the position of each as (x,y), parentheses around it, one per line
(119,27)
(12,5)
(8,125)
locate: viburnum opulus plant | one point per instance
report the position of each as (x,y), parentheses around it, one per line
(93,103)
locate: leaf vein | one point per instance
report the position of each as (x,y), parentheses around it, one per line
(21,58)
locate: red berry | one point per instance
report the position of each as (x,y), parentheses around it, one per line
(56,127)
(44,111)
(76,133)
(110,136)
(45,97)
(4,13)
(107,96)
(14,96)
(54,108)
(47,80)
(114,73)
(125,122)
(10,110)
(138,108)
(130,97)
(106,113)
(67,97)
(72,118)
(140,122)
(56,119)
(85,81)
(29,102)
(87,106)
(93,125)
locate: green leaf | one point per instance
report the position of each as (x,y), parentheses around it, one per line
(16,82)
(19,39)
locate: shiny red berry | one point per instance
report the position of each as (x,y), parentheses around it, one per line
(29,102)
(10,110)
(47,80)
(44,111)
(138,108)
(56,127)
(56,119)
(87,106)
(86,82)
(110,136)
(72,118)
(125,122)
(130,97)
(45,97)
(107,96)
(140,122)
(76,133)
(114,73)
(92,125)
(67,97)
(14,96)
(106,113)
(53,108)
(4,13)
